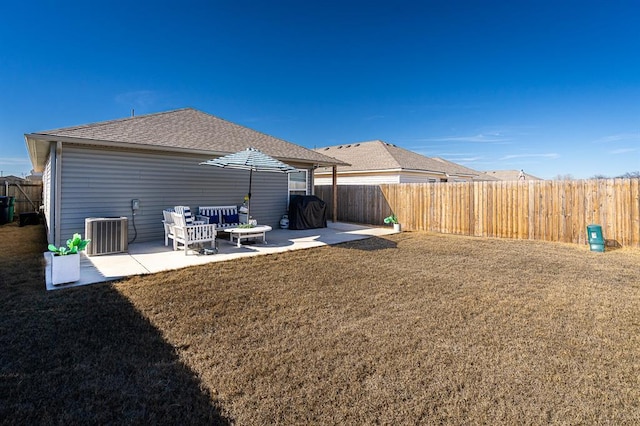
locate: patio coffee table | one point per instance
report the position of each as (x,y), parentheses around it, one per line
(245,233)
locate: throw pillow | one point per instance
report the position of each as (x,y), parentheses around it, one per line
(187,216)
(230,218)
(214,219)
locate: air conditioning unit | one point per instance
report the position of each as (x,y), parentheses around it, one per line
(108,235)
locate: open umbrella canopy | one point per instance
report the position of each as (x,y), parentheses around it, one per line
(253,160)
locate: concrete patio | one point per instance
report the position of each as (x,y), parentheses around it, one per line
(151,257)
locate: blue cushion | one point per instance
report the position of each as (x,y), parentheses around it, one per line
(230,218)
(214,219)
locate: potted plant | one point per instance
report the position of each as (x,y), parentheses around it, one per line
(65,260)
(394,220)
(244,207)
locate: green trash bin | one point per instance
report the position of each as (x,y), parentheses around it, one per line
(4,210)
(596,240)
(12,204)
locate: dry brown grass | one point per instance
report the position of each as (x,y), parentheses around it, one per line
(84,355)
(408,329)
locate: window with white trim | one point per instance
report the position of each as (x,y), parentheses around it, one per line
(298,183)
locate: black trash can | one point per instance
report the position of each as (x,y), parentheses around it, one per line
(12,204)
(4,210)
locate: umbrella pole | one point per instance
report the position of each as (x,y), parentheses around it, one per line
(249,195)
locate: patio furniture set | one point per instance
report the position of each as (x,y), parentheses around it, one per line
(185,231)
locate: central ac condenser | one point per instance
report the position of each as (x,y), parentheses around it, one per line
(108,235)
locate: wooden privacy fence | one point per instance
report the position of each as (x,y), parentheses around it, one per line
(537,210)
(28,196)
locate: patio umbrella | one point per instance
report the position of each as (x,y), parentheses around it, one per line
(253,160)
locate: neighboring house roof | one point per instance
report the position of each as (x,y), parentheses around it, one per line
(12,178)
(381,156)
(182,130)
(454,168)
(509,175)
(483,177)
(34,177)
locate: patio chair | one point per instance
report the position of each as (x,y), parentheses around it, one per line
(186,235)
(168,225)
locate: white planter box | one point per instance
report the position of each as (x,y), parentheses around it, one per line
(65,269)
(397,227)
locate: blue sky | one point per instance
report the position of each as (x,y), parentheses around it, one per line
(552,87)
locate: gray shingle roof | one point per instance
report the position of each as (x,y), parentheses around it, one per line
(379,155)
(187,129)
(455,168)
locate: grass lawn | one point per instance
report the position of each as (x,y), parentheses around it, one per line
(412,328)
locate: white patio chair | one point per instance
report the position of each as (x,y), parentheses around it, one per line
(187,235)
(168,225)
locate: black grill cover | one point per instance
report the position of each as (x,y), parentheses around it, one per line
(307,212)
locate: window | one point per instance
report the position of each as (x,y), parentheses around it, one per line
(298,183)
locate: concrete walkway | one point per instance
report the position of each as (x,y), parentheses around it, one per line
(151,257)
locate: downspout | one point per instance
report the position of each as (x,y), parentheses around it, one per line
(56,194)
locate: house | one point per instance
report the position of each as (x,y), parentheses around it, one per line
(11,179)
(377,162)
(98,169)
(507,175)
(34,177)
(459,171)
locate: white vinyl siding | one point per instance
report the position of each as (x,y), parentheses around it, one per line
(101,182)
(46,197)
(358,180)
(418,179)
(376,178)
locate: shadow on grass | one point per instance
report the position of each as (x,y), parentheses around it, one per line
(370,244)
(86,355)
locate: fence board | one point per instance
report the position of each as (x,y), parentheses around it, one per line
(634,211)
(538,210)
